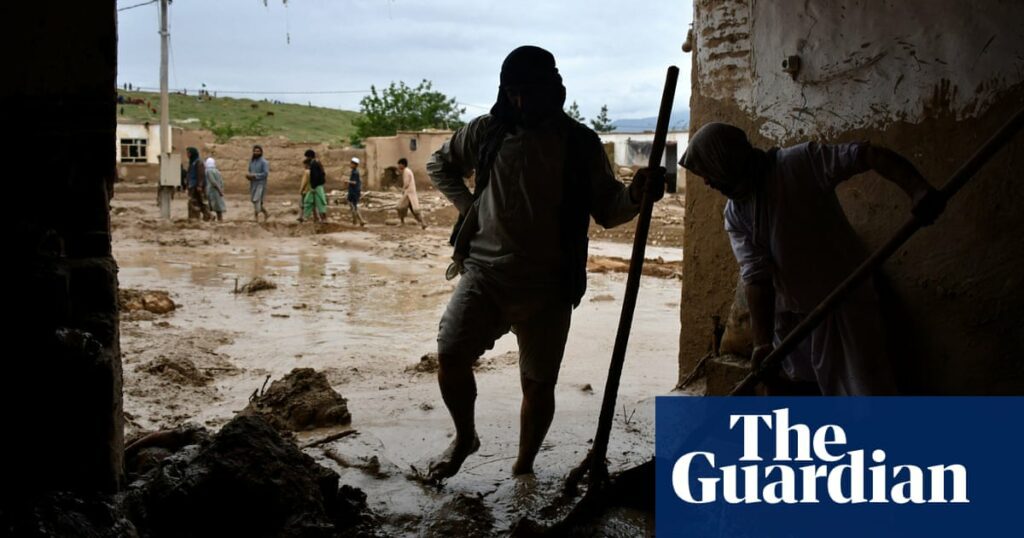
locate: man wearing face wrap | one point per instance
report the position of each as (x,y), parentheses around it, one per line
(794,245)
(540,176)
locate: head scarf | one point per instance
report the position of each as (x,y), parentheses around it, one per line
(530,70)
(193,154)
(721,154)
(210,163)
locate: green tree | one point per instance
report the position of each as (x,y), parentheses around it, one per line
(403,108)
(574,112)
(602,123)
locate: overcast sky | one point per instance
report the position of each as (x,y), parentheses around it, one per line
(612,52)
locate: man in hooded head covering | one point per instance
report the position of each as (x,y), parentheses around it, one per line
(195,178)
(259,171)
(540,176)
(794,245)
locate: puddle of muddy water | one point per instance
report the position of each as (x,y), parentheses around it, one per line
(361,308)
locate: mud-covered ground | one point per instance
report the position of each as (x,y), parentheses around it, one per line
(362,305)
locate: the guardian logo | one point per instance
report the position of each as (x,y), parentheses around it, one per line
(808,467)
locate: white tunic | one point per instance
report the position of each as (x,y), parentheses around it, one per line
(409,189)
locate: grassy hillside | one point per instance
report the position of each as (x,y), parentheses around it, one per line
(299,123)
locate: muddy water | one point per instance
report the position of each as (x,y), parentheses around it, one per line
(363,306)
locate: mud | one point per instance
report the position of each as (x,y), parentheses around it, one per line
(361,306)
(301,400)
(66,514)
(154,301)
(247,480)
(257,284)
(656,267)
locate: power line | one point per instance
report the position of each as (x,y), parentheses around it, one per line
(265,92)
(137,5)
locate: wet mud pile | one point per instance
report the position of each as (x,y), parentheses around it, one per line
(137,305)
(256,285)
(302,400)
(246,480)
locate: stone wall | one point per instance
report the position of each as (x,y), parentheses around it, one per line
(928,79)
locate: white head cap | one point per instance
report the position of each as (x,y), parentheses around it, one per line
(210,163)
(355,160)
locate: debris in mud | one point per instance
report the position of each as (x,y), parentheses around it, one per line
(247,480)
(509,358)
(463,515)
(428,364)
(144,452)
(301,400)
(155,301)
(656,267)
(180,371)
(255,285)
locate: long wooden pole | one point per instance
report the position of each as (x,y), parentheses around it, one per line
(636,264)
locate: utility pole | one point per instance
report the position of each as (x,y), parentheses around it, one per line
(167,168)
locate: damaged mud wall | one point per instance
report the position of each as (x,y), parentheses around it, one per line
(931,79)
(415,146)
(62,366)
(285,162)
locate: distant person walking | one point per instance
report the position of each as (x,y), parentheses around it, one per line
(303,190)
(215,188)
(315,199)
(354,190)
(195,180)
(259,170)
(409,202)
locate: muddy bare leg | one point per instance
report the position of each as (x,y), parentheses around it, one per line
(458,389)
(536,413)
(419,219)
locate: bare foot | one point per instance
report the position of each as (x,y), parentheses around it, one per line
(449,462)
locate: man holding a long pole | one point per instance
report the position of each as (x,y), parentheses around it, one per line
(522,245)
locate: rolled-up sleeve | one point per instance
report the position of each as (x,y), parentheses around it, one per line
(835,163)
(449,166)
(755,262)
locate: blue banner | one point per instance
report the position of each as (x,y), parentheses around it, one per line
(901,466)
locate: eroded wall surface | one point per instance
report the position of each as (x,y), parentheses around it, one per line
(929,79)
